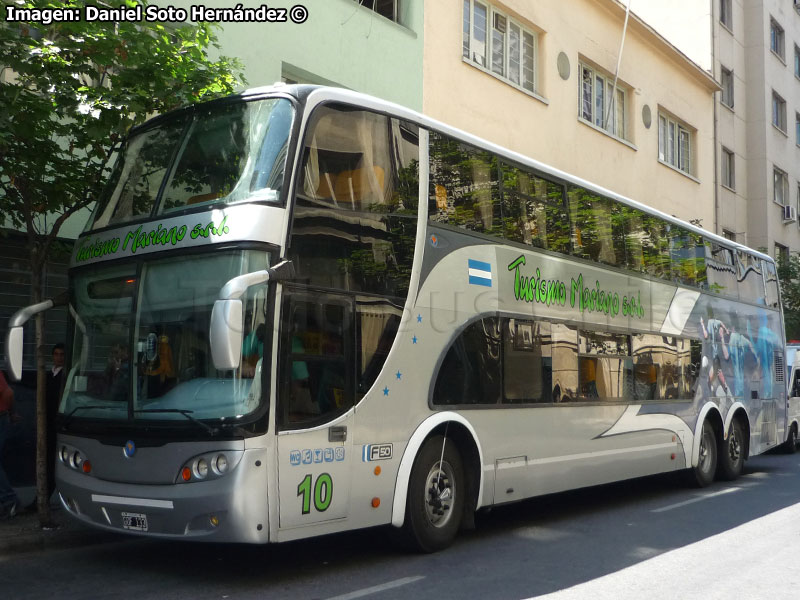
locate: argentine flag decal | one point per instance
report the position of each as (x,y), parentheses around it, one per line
(480,273)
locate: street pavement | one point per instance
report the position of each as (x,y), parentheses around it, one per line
(23,533)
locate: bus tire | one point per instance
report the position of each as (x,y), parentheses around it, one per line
(790,446)
(703,474)
(731,452)
(436,490)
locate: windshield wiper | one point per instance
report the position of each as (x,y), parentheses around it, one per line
(185,413)
(68,416)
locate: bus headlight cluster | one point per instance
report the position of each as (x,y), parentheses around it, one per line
(210,465)
(74,459)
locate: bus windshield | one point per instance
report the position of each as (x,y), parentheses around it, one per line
(228,152)
(141,346)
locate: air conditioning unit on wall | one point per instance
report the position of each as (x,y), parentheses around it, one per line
(789,213)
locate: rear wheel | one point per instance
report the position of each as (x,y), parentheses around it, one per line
(435,500)
(703,474)
(731,455)
(791,442)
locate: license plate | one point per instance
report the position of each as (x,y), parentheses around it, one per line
(134,521)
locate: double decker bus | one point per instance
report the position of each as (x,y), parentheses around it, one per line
(302,310)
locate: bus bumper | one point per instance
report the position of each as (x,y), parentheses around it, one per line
(229,509)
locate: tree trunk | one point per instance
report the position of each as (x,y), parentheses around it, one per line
(43,453)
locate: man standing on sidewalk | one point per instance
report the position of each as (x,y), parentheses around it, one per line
(8,498)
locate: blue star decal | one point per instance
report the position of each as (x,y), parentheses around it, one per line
(419,318)
(399,375)
(386,391)
(414,340)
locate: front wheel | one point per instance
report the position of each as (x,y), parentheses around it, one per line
(435,501)
(731,459)
(703,474)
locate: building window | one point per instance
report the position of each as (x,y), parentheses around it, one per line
(780,186)
(385,8)
(725,13)
(728,169)
(494,41)
(776,38)
(781,253)
(674,143)
(797,128)
(596,104)
(797,62)
(729,235)
(778,112)
(727,87)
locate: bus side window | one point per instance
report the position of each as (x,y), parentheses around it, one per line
(470,372)
(317,384)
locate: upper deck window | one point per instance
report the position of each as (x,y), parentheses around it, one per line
(222,153)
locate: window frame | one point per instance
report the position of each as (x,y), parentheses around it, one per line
(614,128)
(726,14)
(728,169)
(371,5)
(726,81)
(672,133)
(777,39)
(527,77)
(778,112)
(778,173)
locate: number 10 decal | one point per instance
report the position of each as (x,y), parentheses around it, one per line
(323,493)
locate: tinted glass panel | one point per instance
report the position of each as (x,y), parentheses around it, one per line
(751,280)
(598,227)
(565,362)
(232,152)
(721,270)
(360,161)
(533,210)
(527,361)
(317,369)
(470,372)
(355,220)
(771,277)
(605,369)
(687,257)
(464,187)
(138,173)
(377,322)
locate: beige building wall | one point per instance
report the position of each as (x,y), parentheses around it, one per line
(545,124)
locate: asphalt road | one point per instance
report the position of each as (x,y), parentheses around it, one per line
(646,538)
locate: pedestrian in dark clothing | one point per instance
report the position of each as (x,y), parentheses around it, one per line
(8,498)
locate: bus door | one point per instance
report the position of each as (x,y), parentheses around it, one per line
(315,429)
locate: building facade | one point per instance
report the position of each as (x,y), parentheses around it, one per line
(539,78)
(371,46)
(756,56)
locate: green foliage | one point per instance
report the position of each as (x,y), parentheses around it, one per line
(72,90)
(789,276)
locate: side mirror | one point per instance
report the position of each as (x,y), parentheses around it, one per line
(14,335)
(226,333)
(14,352)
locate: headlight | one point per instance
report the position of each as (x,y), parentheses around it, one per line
(208,466)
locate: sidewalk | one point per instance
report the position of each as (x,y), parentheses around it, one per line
(24,534)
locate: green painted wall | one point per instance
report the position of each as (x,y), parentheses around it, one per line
(341,43)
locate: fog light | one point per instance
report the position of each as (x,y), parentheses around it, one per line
(214,520)
(64,455)
(77,459)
